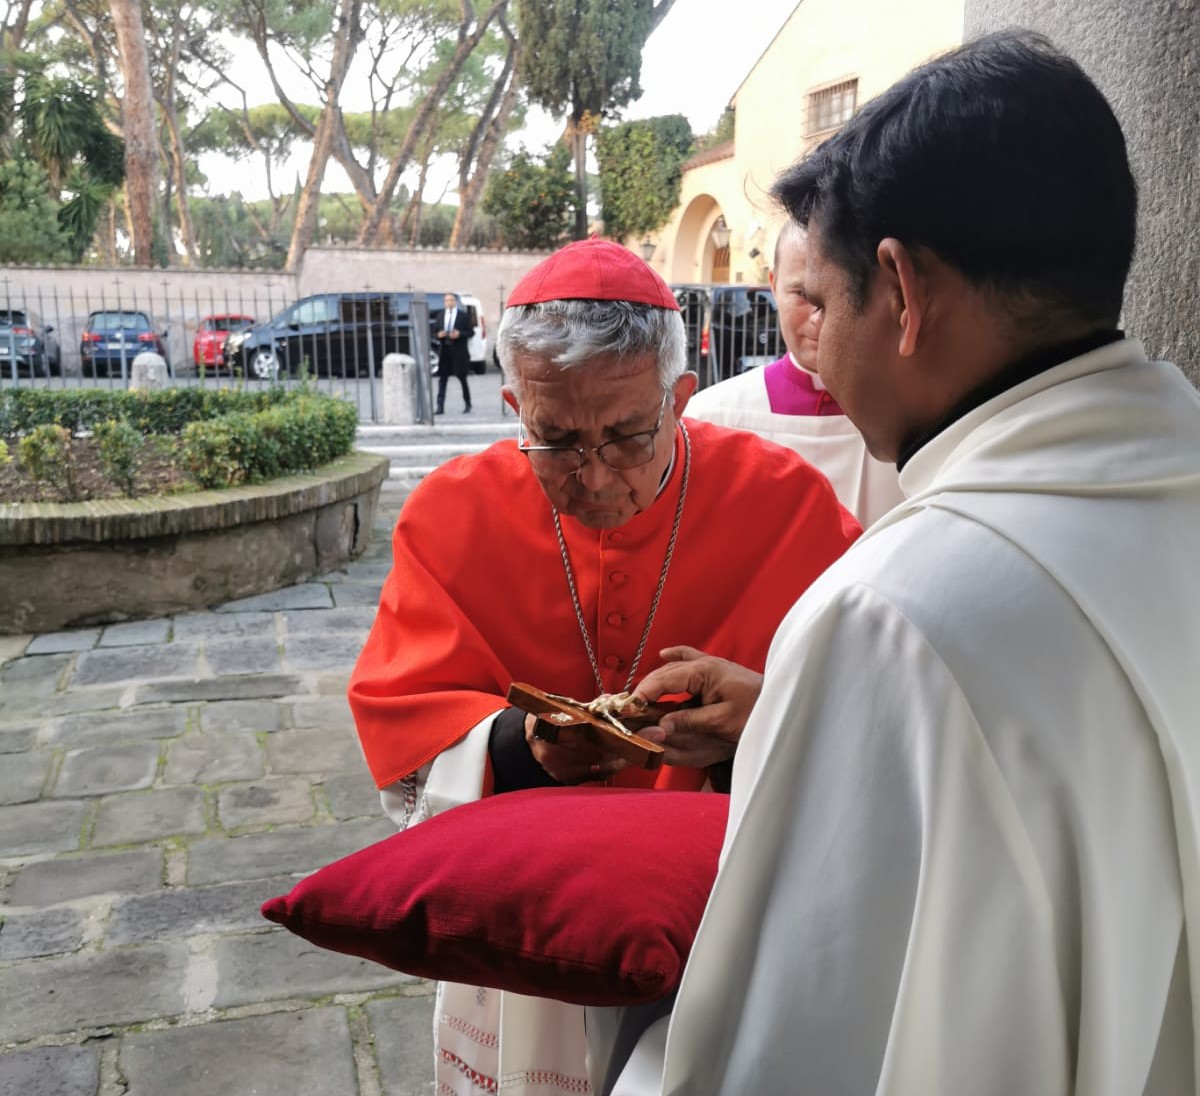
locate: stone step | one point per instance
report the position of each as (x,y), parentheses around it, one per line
(430,455)
(373,432)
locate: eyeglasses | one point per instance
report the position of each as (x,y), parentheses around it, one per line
(620,454)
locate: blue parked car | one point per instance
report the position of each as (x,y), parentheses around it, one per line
(115,335)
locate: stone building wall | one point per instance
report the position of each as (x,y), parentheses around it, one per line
(1145,56)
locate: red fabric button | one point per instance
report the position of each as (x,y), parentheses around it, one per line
(615,619)
(617,578)
(613,663)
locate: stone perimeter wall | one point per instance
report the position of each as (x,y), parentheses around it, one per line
(74,564)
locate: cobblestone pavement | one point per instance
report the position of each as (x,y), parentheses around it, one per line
(158,781)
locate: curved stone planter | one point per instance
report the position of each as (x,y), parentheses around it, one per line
(64,565)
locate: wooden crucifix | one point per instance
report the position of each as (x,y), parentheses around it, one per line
(613,730)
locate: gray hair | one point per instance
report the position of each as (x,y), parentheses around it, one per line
(573,332)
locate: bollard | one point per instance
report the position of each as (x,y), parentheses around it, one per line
(399,389)
(148,372)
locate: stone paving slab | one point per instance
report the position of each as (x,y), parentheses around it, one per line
(136,633)
(47,882)
(310,595)
(327,713)
(232,687)
(315,752)
(30,828)
(347,595)
(319,652)
(193,911)
(22,777)
(242,656)
(403,1030)
(357,619)
(101,667)
(277,964)
(281,852)
(91,990)
(17,738)
(110,727)
(240,715)
(49,643)
(352,795)
(191,626)
(296,1052)
(31,676)
(145,816)
(274,801)
(214,758)
(50,1071)
(62,704)
(100,770)
(52,932)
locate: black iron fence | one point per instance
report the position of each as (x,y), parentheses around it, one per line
(63,338)
(730,329)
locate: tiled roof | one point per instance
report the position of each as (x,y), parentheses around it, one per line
(723,151)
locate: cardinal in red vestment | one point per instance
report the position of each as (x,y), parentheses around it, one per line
(611,529)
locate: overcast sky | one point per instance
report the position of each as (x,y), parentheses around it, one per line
(692,65)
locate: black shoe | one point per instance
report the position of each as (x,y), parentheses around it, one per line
(440,411)
(466,409)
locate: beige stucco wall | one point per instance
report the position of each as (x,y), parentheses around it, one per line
(823,42)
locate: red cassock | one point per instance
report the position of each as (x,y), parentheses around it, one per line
(478,597)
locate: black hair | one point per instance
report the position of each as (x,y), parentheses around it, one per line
(1003,159)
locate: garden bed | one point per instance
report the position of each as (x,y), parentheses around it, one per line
(125,505)
(65,565)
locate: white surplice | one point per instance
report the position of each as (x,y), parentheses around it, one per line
(964,850)
(868,488)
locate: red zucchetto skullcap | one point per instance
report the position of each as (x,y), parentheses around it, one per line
(593,270)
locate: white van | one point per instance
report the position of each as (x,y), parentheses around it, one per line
(479,341)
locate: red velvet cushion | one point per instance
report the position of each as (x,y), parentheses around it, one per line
(587,895)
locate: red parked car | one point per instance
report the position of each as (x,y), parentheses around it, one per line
(209,347)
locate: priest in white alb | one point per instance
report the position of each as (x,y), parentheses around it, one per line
(963,856)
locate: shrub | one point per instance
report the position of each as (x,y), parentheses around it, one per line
(163,411)
(120,443)
(4,457)
(46,452)
(296,436)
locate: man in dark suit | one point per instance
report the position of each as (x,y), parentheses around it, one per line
(454,356)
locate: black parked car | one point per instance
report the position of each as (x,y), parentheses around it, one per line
(328,335)
(27,345)
(113,336)
(743,330)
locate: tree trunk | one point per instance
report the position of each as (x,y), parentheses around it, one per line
(138,124)
(349,34)
(178,160)
(579,144)
(425,114)
(471,183)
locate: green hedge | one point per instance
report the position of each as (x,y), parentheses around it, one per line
(297,436)
(226,436)
(163,411)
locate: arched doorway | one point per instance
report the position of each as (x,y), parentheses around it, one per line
(695,255)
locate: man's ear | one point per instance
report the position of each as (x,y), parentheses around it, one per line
(510,398)
(685,389)
(908,291)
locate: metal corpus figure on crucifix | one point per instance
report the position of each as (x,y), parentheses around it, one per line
(610,721)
